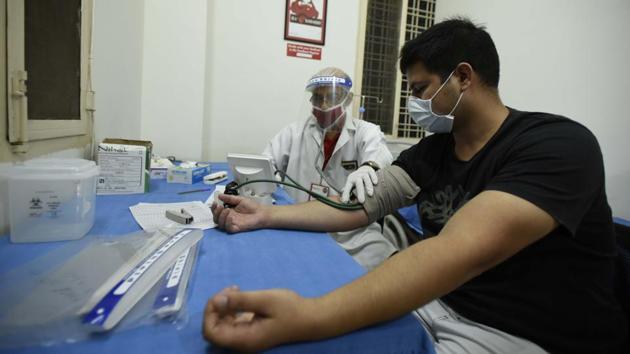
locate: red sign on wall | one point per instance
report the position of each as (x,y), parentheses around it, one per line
(304,51)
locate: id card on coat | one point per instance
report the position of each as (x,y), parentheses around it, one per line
(319,189)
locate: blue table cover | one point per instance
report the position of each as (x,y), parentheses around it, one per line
(309,263)
(621,221)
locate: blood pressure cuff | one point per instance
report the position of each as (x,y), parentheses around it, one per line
(395,190)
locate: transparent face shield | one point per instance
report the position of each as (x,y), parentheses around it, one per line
(326,102)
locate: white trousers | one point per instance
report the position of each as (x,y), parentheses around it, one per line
(366,245)
(454,334)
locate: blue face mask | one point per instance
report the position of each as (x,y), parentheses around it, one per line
(421,112)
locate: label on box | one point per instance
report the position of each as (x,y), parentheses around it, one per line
(186,175)
(49,203)
(122,169)
(158,173)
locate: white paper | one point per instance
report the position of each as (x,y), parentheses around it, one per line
(219,190)
(152,216)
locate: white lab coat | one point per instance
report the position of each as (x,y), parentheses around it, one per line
(298,147)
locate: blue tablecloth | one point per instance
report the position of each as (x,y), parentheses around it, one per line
(621,221)
(309,263)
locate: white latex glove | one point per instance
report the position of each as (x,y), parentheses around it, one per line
(362,181)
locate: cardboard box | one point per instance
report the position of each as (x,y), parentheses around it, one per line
(124,166)
(159,167)
(158,173)
(177,174)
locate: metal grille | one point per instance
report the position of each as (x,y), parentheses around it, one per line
(420,16)
(380,62)
(52,40)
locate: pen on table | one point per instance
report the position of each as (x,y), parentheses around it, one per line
(196,190)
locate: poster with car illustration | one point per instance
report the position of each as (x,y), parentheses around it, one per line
(305,21)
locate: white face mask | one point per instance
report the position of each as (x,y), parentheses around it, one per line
(328,118)
(421,112)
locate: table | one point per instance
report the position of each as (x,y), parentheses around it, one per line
(309,263)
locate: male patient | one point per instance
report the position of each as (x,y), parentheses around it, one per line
(522,259)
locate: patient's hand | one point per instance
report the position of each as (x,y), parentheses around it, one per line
(244,215)
(258,320)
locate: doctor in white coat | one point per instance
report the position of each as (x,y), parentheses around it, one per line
(323,150)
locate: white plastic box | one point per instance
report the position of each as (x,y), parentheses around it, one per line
(51,199)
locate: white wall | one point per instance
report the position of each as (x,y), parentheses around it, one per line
(149,73)
(173,76)
(567,57)
(201,79)
(117,68)
(252,88)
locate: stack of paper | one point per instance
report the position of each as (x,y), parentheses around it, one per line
(151,216)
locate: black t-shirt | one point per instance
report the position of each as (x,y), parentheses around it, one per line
(557,292)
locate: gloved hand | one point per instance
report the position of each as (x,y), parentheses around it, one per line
(362,181)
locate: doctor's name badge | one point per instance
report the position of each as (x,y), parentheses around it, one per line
(350,165)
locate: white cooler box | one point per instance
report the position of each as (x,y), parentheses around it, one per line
(51,199)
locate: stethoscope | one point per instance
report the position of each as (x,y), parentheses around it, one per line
(320,153)
(323,174)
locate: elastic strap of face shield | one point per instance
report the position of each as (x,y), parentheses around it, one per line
(318,81)
(345,84)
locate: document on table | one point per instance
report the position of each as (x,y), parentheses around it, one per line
(152,216)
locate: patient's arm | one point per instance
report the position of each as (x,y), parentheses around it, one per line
(394,191)
(314,216)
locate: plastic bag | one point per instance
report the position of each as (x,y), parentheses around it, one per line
(44,301)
